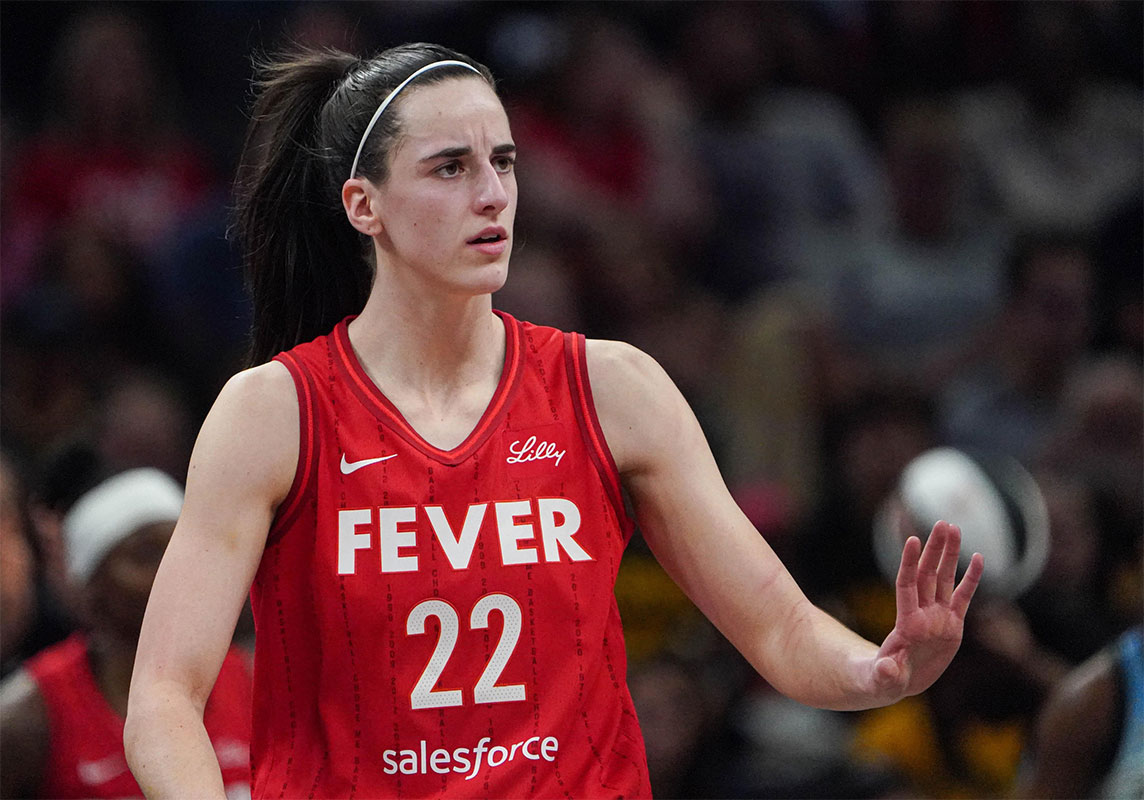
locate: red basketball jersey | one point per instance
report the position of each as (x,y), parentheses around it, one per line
(85,746)
(444,623)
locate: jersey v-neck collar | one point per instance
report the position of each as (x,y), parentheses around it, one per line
(386,412)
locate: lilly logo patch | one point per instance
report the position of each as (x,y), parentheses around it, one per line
(542,448)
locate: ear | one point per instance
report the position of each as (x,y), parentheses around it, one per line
(359,199)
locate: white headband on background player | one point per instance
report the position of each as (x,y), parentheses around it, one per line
(114,510)
(389,99)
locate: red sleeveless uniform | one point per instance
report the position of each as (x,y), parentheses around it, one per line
(85,749)
(443,623)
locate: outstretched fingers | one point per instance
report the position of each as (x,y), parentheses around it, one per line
(907,583)
(959,603)
(928,565)
(947,567)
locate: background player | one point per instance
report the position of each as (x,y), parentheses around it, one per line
(63,710)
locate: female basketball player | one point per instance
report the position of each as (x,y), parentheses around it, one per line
(426,498)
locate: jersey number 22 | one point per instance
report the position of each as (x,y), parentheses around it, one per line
(487,689)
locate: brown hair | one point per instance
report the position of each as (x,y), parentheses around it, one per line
(305,266)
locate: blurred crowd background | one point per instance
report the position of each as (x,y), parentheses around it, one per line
(850,231)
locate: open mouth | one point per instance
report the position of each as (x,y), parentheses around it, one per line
(490,235)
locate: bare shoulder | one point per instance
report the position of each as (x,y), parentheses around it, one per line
(249,439)
(1088,692)
(636,401)
(257,404)
(267,387)
(1073,730)
(619,366)
(25,721)
(18,693)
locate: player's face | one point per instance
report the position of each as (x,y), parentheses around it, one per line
(450,200)
(118,589)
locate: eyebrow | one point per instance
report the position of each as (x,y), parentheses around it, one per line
(458,152)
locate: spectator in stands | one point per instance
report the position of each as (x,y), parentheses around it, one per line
(17,567)
(1006,402)
(112,153)
(1057,145)
(935,267)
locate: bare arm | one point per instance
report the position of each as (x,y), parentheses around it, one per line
(712,551)
(24,719)
(1075,736)
(241,469)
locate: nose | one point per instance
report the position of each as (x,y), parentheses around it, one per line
(491,194)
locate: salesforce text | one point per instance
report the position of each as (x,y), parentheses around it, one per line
(441,761)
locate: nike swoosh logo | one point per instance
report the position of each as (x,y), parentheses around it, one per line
(354,466)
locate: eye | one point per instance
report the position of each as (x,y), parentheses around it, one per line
(504,164)
(450,169)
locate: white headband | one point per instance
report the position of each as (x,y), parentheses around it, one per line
(114,510)
(389,99)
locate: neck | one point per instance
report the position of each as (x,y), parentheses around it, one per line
(436,343)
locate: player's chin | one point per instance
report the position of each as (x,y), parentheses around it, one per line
(489,277)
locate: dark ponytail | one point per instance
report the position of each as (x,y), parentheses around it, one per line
(306,267)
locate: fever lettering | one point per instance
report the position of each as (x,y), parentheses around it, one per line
(392,539)
(511,533)
(397,531)
(558,535)
(459,550)
(349,541)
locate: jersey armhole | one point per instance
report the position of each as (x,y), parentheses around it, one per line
(307,448)
(576,362)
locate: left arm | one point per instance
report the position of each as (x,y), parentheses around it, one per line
(714,553)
